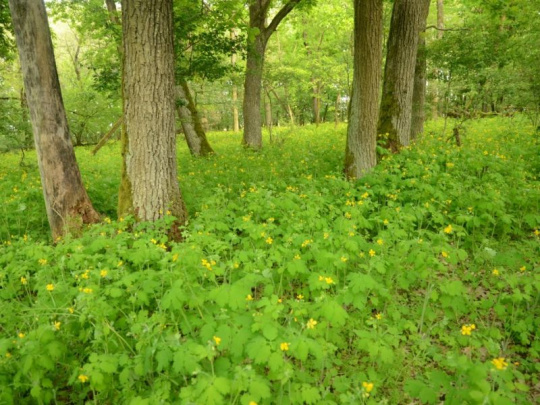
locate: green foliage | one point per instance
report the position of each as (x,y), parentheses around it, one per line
(292,285)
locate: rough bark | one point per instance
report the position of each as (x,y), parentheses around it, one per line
(360,153)
(258,10)
(440,33)
(192,140)
(149,108)
(66,201)
(419,89)
(396,105)
(204,149)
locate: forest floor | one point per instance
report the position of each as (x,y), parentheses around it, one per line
(418,283)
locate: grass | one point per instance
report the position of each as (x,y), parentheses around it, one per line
(417,283)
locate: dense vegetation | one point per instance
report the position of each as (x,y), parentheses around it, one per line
(419,282)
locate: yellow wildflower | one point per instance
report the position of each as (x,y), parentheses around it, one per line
(83,378)
(300,297)
(103,273)
(217,340)
(378,316)
(326,235)
(252,403)
(71,310)
(87,290)
(311,323)
(329,280)
(43,262)
(380,242)
(21,335)
(371,252)
(24,281)
(448,229)
(466,330)
(249,297)
(269,240)
(386,222)
(444,254)
(50,287)
(57,325)
(368,386)
(343,259)
(496,273)
(499,363)
(284,346)
(522,268)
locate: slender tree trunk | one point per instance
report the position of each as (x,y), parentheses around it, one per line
(360,153)
(440,33)
(258,10)
(336,108)
(193,141)
(252,93)
(396,104)
(419,90)
(268,114)
(66,200)
(149,108)
(236,122)
(205,148)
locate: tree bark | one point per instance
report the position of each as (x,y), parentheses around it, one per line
(66,201)
(150,186)
(236,121)
(258,10)
(396,105)
(419,89)
(196,121)
(440,33)
(192,140)
(360,153)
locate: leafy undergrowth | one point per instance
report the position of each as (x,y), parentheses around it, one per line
(419,283)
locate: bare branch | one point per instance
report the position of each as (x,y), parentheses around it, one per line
(282,13)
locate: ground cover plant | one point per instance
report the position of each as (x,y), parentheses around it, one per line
(417,284)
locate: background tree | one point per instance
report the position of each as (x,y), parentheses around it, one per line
(149,183)
(408,17)
(360,154)
(258,36)
(66,200)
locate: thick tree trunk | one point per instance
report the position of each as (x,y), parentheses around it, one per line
(419,89)
(149,107)
(360,153)
(66,200)
(252,93)
(396,104)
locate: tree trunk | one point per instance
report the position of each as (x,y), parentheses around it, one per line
(396,104)
(149,106)
(419,89)
(204,147)
(252,93)
(258,10)
(192,140)
(440,33)
(236,122)
(66,200)
(360,153)
(336,113)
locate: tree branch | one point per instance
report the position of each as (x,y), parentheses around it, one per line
(434,27)
(286,9)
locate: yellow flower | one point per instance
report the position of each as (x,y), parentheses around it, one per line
(371,252)
(50,287)
(386,222)
(306,242)
(499,363)
(297,257)
(252,403)
(87,290)
(269,240)
(380,241)
(368,386)
(21,335)
(249,297)
(348,215)
(284,346)
(449,164)
(120,263)
(379,316)
(43,262)
(311,323)
(496,273)
(103,273)
(467,329)
(522,268)
(536,232)
(326,235)
(83,378)
(71,310)
(300,297)
(444,254)
(343,259)
(217,340)
(57,325)
(24,281)
(329,280)
(448,229)
(175,257)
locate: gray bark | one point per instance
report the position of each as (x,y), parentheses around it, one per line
(360,153)
(419,90)
(396,104)
(192,139)
(66,201)
(258,10)
(149,107)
